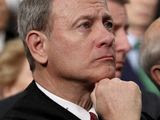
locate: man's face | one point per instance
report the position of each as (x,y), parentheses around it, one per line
(81,45)
(141,12)
(121,42)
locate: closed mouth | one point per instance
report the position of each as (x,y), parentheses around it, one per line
(107,58)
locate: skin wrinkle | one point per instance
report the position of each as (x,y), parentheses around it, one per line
(87,6)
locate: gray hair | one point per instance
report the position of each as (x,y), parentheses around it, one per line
(150,48)
(33,15)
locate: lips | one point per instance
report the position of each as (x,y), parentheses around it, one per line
(106,57)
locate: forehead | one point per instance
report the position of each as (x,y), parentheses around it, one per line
(66,7)
(118,12)
(145,2)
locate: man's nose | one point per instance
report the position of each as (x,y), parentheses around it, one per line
(106,38)
(125,46)
(121,42)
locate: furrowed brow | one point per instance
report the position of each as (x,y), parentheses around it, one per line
(87,16)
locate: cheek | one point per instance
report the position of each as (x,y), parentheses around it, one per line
(118,41)
(70,53)
(117,56)
(72,49)
(77,54)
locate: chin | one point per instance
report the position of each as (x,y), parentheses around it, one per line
(109,73)
(100,72)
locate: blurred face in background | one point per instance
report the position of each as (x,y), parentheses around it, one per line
(141,12)
(122,46)
(4,14)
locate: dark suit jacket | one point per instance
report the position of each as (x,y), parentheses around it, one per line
(6,104)
(151,105)
(32,104)
(129,74)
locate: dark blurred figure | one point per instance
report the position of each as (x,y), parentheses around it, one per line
(158,10)
(11,31)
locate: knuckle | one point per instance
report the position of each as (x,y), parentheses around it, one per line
(133,84)
(134,87)
(116,79)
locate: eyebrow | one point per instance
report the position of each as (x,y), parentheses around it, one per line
(107,17)
(87,16)
(92,17)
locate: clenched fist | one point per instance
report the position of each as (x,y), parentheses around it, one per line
(115,99)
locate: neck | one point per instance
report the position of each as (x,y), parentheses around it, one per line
(137,31)
(75,92)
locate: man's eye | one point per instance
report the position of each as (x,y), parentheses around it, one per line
(108,25)
(85,25)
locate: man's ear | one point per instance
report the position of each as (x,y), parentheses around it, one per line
(155,73)
(36,42)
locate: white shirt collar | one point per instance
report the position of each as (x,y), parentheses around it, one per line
(132,39)
(78,111)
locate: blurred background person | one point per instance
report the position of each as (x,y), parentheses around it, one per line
(8,26)
(150,102)
(15,74)
(150,61)
(13,5)
(4,17)
(122,46)
(140,13)
(150,52)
